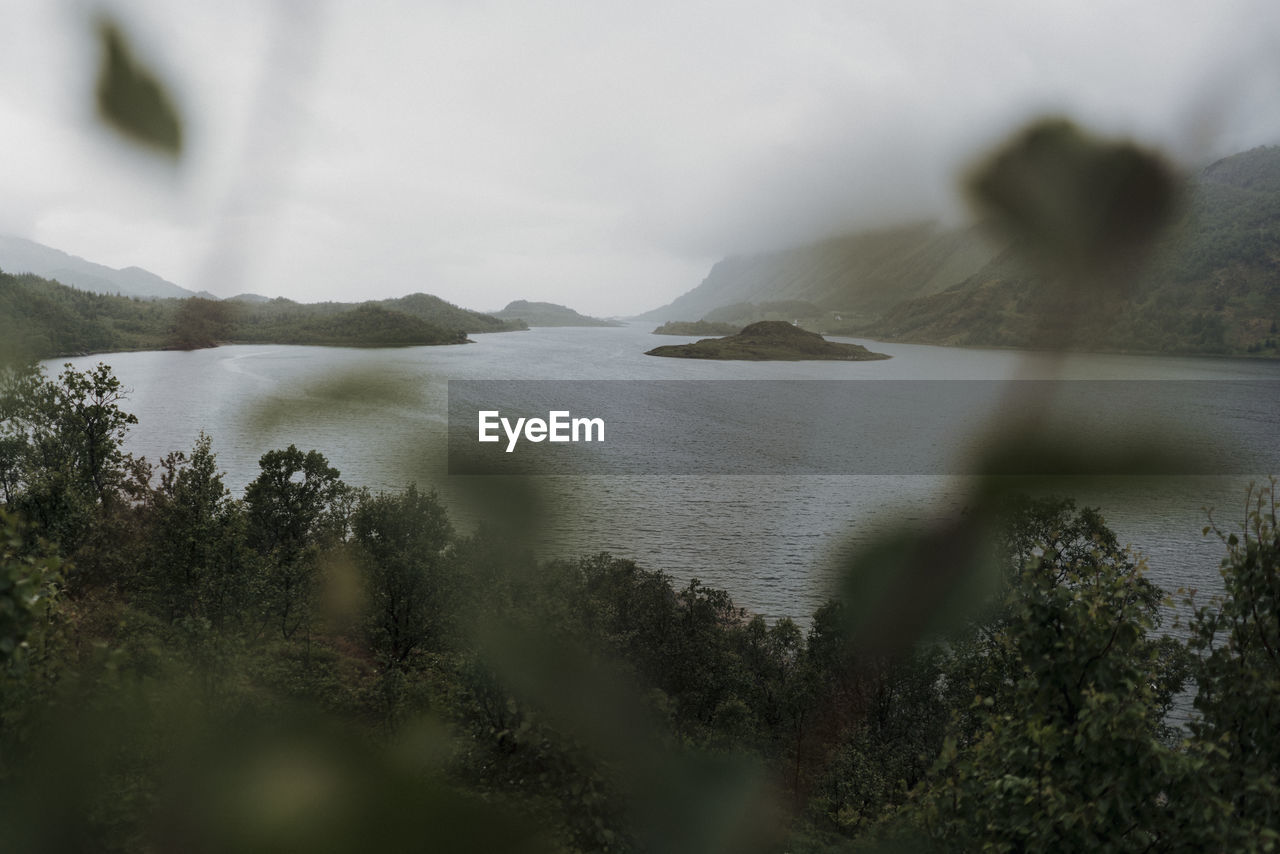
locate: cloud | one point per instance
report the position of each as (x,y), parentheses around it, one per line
(601,155)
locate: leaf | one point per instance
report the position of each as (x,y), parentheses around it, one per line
(1073,202)
(132,99)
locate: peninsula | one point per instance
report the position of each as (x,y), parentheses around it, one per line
(769,340)
(548,314)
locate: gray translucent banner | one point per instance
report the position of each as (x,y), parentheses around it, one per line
(864,427)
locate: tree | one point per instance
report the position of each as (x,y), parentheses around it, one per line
(1237,667)
(401,541)
(292,515)
(91,425)
(198,565)
(1060,746)
(20,386)
(29,580)
(73,463)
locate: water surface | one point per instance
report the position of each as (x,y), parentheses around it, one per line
(774,541)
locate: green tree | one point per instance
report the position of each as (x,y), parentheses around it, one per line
(29,582)
(92,426)
(74,463)
(401,541)
(20,386)
(198,563)
(293,511)
(1236,639)
(1060,746)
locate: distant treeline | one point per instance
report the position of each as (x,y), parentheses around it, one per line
(319,667)
(43,319)
(697,327)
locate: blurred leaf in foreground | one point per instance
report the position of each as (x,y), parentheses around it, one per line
(1076,204)
(132,99)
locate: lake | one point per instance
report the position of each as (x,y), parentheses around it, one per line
(774,541)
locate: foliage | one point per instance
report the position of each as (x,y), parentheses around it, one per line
(29,581)
(132,99)
(290,516)
(197,562)
(1237,668)
(401,541)
(1059,741)
(64,458)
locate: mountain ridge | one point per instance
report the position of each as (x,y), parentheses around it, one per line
(1212,284)
(20,255)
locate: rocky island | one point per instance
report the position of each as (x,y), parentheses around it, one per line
(769,340)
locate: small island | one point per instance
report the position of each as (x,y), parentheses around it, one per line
(697,327)
(769,340)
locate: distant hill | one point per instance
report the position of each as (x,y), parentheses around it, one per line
(857,276)
(548,314)
(697,327)
(18,255)
(442,313)
(1213,284)
(40,318)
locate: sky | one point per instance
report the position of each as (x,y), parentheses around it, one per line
(598,154)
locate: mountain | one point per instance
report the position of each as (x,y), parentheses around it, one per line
(18,255)
(857,276)
(548,314)
(1212,285)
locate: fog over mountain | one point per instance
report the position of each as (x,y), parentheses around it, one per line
(599,157)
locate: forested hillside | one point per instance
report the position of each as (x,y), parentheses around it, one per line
(42,319)
(857,276)
(1211,285)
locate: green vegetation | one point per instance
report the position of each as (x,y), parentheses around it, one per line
(697,327)
(547,314)
(320,666)
(1209,287)
(856,276)
(41,319)
(769,340)
(317,668)
(1206,284)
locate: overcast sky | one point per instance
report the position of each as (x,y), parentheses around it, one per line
(597,154)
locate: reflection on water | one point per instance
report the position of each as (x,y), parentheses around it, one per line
(772,541)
